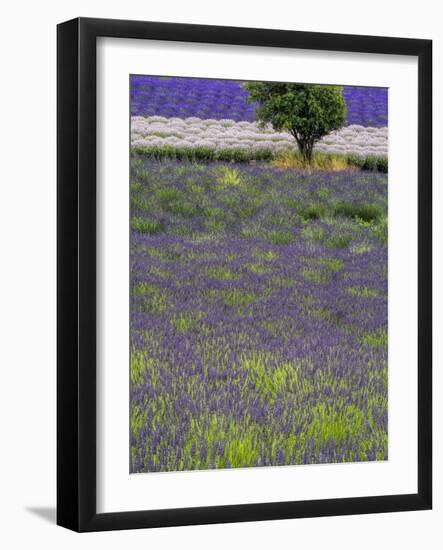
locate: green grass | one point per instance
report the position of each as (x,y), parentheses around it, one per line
(380,230)
(151,297)
(259,269)
(362,291)
(376,339)
(310,211)
(335,425)
(159,272)
(291,158)
(366,212)
(334,264)
(237,298)
(228,176)
(315,275)
(185,322)
(270,382)
(267,255)
(339,240)
(221,273)
(175,202)
(316,234)
(361,248)
(280,237)
(145,225)
(140,363)
(214,226)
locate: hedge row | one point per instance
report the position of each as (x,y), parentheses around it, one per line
(370,162)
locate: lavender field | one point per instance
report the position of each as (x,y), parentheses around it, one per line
(226,99)
(175,116)
(258,315)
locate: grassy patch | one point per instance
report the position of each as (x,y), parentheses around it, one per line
(221,273)
(151,298)
(320,161)
(335,426)
(334,264)
(366,212)
(310,211)
(280,237)
(316,234)
(175,202)
(228,176)
(362,291)
(235,299)
(321,313)
(361,248)
(140,363)
(186,321)
(267,255)
(270,382)
(258,268)
(376,339)
(380,230)
(144,225)
(214,226)
(159,272)
(315,275)
(339,240)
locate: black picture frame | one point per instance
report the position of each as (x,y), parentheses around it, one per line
(76,278)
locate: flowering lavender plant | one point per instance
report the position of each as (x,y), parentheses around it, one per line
(258,316)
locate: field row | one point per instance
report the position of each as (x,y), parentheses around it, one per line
(214,98)
(192,132)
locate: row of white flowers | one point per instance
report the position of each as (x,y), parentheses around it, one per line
(226,133)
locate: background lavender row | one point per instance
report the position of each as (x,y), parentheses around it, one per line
(221,99)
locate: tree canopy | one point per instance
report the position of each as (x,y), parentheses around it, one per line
(307,111)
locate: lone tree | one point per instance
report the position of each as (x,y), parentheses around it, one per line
(307,111)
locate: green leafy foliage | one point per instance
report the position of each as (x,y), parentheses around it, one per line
(307,111)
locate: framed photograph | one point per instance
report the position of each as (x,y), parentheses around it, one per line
(244,274)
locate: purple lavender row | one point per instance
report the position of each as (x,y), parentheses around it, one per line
(226,99)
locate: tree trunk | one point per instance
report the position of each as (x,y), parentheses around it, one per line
(305,147)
